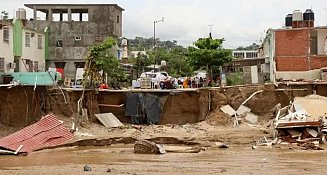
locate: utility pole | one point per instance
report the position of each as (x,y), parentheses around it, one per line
(154,41)
(210,25)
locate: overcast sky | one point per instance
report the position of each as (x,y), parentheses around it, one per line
(240,22)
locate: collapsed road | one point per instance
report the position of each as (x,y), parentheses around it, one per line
(191,124)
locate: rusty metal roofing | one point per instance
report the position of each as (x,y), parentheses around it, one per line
(49,131)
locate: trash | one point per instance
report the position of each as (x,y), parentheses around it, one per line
(264,160)
(251,118)
(108,120)
(221,145)
(87,168)
(264,142)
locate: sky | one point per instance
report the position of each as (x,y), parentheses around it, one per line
(239,22)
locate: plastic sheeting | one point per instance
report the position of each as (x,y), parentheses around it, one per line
(143,108)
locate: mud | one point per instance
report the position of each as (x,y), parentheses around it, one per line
(120,159)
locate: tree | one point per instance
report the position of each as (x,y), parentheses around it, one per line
(178,65)
(100,59)
(4,15)
(209,53)
(140,62)
(253,46)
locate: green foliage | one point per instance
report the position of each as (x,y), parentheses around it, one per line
(4,15)
(140,44)
(234,79)
(100,58)
(176,58)
(209,53)
(253,46)
(140,62)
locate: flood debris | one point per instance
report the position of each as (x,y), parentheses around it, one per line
(47,132)
(148,147)
(87,168)
(109,120)
(293,124)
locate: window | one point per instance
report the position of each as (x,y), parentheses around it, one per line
(27,39)
(118,19)
(59,43)
(39,41)
(6,35)
(36,66)
(2,64)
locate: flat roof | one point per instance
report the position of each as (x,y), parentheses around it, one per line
(44,7)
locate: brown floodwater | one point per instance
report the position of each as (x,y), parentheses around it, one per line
(120,159)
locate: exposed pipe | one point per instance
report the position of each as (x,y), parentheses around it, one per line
(251,96)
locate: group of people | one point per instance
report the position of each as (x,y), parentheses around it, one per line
(193,82)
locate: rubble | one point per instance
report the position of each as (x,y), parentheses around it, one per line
(295,125)
(147,147)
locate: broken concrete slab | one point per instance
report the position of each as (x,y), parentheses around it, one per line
(228,110)
(109,120)
(312,132)
(242,110)
(251,118)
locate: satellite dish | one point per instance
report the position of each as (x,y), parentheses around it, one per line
(124,42)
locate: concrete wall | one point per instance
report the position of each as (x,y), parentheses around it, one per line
(6,48)
(321,36)
(33,52)
(102,23)
(290,75)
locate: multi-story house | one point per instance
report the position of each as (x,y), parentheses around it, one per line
(22,48)
(297,51)
(73,28)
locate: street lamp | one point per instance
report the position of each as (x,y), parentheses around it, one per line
(154,41)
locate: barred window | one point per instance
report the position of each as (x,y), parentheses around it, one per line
(6,35)
(2,64)
(27,39)
(39,41)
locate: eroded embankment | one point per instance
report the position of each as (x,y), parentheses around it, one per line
(23,105)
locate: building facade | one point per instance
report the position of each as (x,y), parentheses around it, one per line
(73,28)
(298,51)
(22,48)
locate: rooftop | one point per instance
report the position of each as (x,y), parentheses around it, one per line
(45,7)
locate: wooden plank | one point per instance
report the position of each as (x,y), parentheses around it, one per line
(114,106)
(108,120)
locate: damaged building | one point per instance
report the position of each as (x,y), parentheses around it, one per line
(73,28)
(297,51)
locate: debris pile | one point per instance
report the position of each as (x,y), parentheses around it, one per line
(47,132)
(293,124)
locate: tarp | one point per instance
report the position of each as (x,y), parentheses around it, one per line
(47,132)
(141,105)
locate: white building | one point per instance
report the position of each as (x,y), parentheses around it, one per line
(21,49)
(6,46)
(245,54)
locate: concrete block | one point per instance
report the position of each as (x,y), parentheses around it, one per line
(251,118)
(228,110)
(242,110)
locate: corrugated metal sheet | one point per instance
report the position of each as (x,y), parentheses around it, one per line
(49,131)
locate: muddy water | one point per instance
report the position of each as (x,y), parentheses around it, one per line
(120,159)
